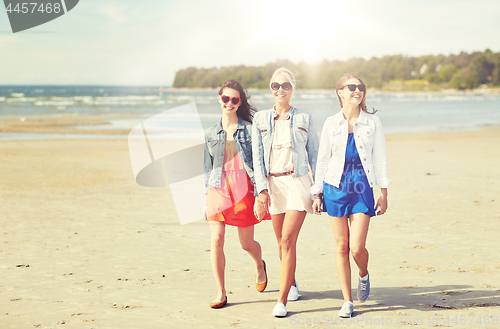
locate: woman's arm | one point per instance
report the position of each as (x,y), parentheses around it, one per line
(207,165)
(379,154)
(207,170)
(312,146)
(324,154)
(258,170)
(258,158)
(380,166)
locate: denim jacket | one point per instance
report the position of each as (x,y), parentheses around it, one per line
(370,143)
(215,141)
(304,144)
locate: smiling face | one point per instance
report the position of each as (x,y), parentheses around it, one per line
(229,108)
(281,96)
(351,98)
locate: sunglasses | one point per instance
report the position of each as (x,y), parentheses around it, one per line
(285,85)
(352,87)
(234,100)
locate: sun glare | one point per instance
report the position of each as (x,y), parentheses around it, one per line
(309,29)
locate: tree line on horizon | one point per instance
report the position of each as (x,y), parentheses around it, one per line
(429,72)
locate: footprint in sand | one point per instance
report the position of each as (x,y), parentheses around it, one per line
(426,269)
(425,246)
(477,270)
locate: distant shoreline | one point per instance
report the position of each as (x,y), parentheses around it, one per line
(477,91)
(485,90)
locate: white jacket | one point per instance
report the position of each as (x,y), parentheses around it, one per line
(370,142)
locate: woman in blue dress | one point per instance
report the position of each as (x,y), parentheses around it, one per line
(351,159)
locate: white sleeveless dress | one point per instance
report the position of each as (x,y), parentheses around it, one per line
(287,192)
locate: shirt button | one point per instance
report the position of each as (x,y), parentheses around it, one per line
(361,146)
(364,159)
(367,132)
(368,170)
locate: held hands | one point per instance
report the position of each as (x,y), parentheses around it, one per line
(258,210)
(261,205)
(317,206)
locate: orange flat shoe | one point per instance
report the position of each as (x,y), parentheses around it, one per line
(218,304)
(262,286)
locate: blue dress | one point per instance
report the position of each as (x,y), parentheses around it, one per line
(354,194)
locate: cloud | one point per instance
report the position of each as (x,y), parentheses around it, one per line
(115,12)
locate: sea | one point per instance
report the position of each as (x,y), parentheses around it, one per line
(399,112)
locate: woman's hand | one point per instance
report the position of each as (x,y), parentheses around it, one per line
(317,206)
(263,198)
(382,203)
(261,204)
(258,210)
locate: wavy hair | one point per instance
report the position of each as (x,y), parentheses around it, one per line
(245,111)
(342,84)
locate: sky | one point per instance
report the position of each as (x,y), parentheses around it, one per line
(125,42)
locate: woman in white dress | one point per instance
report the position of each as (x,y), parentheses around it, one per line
(285,147)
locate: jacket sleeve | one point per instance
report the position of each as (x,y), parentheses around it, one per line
(324,154)
(312,146)
(249,129)
(258,159)
(207,165)
(379,154)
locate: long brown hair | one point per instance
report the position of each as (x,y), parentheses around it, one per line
(342,83)
(245,111)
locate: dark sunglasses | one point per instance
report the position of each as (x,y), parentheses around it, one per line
(285,85)
(234,100)
(352,87)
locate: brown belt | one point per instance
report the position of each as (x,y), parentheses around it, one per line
(282,174)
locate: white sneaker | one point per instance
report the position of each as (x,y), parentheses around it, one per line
(346,310)
(293,293)
(279,310)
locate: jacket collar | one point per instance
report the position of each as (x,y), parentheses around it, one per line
(240,125)
(363,117)
(288,115)
(339,117)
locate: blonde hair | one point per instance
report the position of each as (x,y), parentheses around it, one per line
(289,75)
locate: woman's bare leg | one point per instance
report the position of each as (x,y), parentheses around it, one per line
(277,221)
(290,228)
(340,229)
(246,235)
(359,231)
(217,257)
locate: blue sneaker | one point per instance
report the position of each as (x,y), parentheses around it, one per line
(346,310)
(364,289)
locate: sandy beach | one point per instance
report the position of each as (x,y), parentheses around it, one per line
(83,246)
